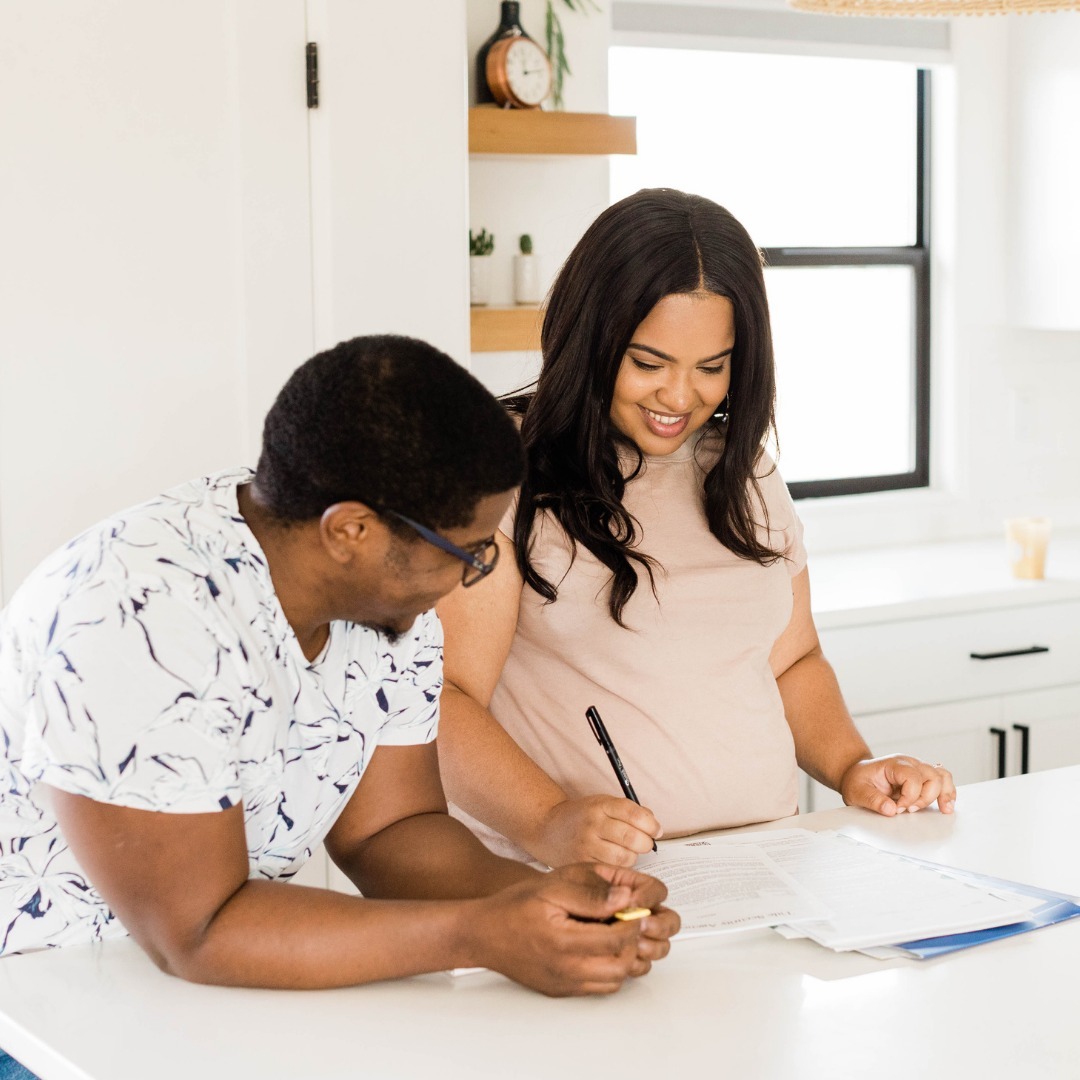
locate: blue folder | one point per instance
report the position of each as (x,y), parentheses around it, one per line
(1056,907)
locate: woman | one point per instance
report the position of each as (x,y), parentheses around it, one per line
(653,567)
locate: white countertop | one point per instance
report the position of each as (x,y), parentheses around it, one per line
(884,584)
(748,1004)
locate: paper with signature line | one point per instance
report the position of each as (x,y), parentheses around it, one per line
(717,886)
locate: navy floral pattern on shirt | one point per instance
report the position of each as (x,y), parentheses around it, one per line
(149,664)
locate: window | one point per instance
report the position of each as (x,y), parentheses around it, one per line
(825,162)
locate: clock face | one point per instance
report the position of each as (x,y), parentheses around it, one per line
(528,72)
(518,72)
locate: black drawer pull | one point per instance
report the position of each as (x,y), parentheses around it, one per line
(1011,652)
(1025,745)
(999,734)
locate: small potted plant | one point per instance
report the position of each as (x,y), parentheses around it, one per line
(480,248)
(526,274)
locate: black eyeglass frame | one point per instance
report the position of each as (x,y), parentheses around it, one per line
(472,561)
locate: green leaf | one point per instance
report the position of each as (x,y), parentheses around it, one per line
(556,44)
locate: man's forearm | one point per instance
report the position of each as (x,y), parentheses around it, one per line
(827,742)
(276,935)
(402,926)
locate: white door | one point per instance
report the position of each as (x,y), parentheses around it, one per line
(155,287)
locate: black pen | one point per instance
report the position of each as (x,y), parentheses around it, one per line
(604,739)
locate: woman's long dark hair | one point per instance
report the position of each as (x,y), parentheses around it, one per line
(653,244)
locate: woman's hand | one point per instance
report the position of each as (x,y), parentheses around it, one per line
(897,784)
(597,828)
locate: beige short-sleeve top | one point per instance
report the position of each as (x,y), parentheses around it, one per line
(686,692)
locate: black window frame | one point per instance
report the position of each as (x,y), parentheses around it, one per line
(916,256)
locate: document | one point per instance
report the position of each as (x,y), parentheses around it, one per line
(718,886)
(1045,908)
(840,892)
(878,898)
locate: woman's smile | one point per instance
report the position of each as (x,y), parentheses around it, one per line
(664,425)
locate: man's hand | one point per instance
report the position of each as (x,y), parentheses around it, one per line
(550,933)
(597,828)
(897,784)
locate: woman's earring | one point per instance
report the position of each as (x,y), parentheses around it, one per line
(723,410)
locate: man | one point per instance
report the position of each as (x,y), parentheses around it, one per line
(198,691)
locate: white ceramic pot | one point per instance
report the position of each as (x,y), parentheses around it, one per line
(526,280)
(479,280)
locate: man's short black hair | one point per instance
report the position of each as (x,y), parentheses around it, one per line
(391,422)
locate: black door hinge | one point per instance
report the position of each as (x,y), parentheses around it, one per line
(312,75)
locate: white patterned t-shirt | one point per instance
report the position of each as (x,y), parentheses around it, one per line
(148,664)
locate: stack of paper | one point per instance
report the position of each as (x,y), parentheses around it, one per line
(841,893)
(1045,909)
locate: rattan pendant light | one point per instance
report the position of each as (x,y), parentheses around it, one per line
(933,7)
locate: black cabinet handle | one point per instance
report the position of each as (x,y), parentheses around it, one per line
(999,734)
(1010,652)
(1025,744)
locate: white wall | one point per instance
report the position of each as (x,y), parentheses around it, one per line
(159,281)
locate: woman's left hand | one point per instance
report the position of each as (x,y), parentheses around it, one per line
(898,784)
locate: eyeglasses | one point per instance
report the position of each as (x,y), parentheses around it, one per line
(478,564)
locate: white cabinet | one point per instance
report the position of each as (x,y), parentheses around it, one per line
(1045,167)
(180,230)
(1052,720)
(967,689)
(955,657)
(156,280)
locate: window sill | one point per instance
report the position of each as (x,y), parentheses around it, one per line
(884,519)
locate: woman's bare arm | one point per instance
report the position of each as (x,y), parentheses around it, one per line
(485,772)
(827,743)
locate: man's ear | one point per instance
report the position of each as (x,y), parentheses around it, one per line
(345,528)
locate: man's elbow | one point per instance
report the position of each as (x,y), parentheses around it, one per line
(190,954)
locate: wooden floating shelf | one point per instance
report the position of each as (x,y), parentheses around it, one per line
(532,131)
(505,329)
